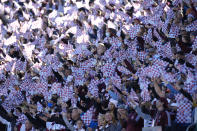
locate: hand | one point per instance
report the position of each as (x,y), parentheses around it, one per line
(177,87)
(125,93)
(89,95)
(109,88)
(80,111)
(24,110)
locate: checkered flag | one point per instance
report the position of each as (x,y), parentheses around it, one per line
(26,84)
(157,34)
(191,58)
(88,64)
(55,88)
(133,95)
(169,77)
(108,69)
(133,31)
(160,63)
(66,92)
(21,119)
(165,27)
(45,71)
(153,71)
(170,14)
(194,45)
(108,55)
(145,95)
(184,111)
(176,2)
(42,87)
(92,87)
(174,31)
(147,3)
(149,36)
(142,55)
(116,81)
(115,42)
(78,74)
(192,26)
(123,70)
(20,66)
(87,117)
(165,50)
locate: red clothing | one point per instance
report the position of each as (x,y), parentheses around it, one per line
(134,123)
(161,119)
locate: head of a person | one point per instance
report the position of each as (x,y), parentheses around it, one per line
(192,36)
(109,117)
(101,49)
(186,39)
(112,104)
(75,114)
(18,110)
(101,120)
(28,125)
(195,96)
(161,104)
(80,124)
(122,112)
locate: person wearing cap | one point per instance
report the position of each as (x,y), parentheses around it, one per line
(112,106)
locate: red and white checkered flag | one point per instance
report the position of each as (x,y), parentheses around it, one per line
(169,77)
(133,95)
(153,71)
(108,69)
(145,95)
(87,117)
(115,42)
(123,70)
(149,36)
(192,26)
(176,2)
(174,31)
(55,88)
(92,87)
(116,80)
(133,31)
(42,87)
(142,55)
(184,111)
(66,92)
(194,45)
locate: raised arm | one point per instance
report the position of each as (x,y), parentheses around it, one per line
(157,89)
(70,126)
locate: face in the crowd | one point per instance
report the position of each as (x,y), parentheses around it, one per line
(195,97)
(100,49)
(28,125)
(159,106)
(101,121)
(192,37)
(75,114)
(83,104)
(185,39)
(108,117)
(122,113)
(111,106)
(79,124)
(17,111)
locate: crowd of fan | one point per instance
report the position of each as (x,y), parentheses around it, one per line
(98,65)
